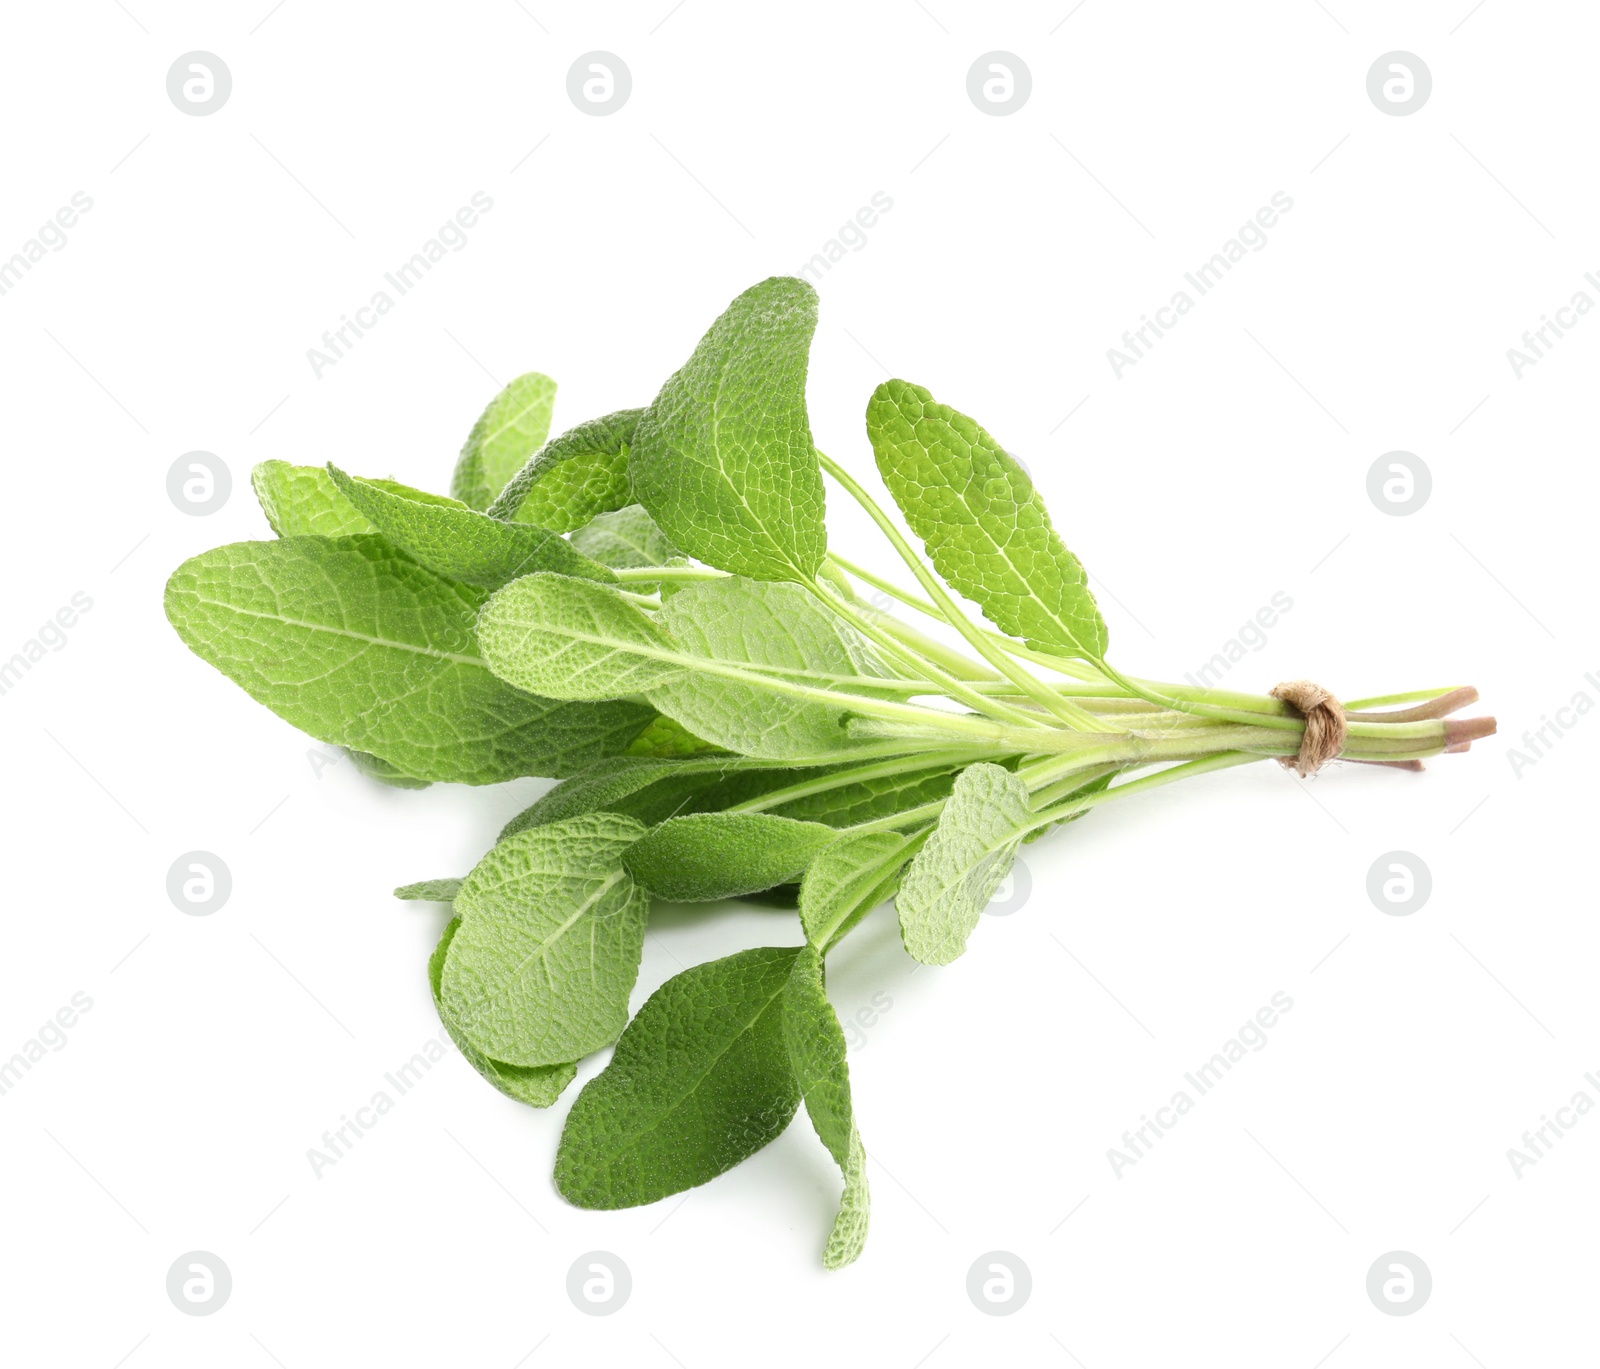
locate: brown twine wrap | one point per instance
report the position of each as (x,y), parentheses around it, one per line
(1325,727)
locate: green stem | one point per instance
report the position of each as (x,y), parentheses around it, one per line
(945,684)
(1063,709)
(899,765)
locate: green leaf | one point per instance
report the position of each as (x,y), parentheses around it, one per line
(430,890)
(460,543)
(666,738)
(537,1085)
(573,477)
(627,539)
(303,501)
(552,927)
(946,888)
(723,459)
(849,879)
(816,1046)
(869,800)
(985,527)
(573,639)
(570,639)
(779,629)
(510,430)
(647,790)
(705,856)
(376,768)
(352,641)
(700,1080)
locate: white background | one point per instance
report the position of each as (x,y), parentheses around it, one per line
(1228,464)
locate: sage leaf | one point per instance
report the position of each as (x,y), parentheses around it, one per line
(552,927)
(572,639)
(849,879)
(536,1085)
(778,629)
(723,458)
(626,539)
(700,1080)
(947,886)
(648,790)
(507,433)
(705,856)
(985,527)
(353,642)
(376,768)
(816,1045)
(460,543)
(574,477)
(664,738)
(862,801)
(303,501)
(430,890)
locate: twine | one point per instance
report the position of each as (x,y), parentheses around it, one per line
(1325,726)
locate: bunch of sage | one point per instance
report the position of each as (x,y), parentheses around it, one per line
(646,609)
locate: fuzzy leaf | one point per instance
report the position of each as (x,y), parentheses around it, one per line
(574,477)
(303,501)
(552,927)
(817,1047)
(985,527)
(376,768)
(723,459)
(779,629)
(572,639)
(350,640)
(705,856)
(536,1085)
(627,539)
(849,879)
(664,738)
(508,432)
(647,790)
(946,888)
(700,1080)
(430,890)
(460,543)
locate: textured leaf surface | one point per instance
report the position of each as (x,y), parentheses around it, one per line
(664,738)
(460,543)
(430,890)
(552,927)
(508,432)
(779,629)
(850,877)
(647,790)
(303,501)
(376,768)
(570,639)
(817,1047)
(946,888)
(700,1080)
(868,800)
(537,1085)
(722,855)
(985,527)
(723,459)
(353,642)
(573,477)
(573,639)
(627,539)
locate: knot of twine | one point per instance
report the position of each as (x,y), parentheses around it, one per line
(1325,727)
